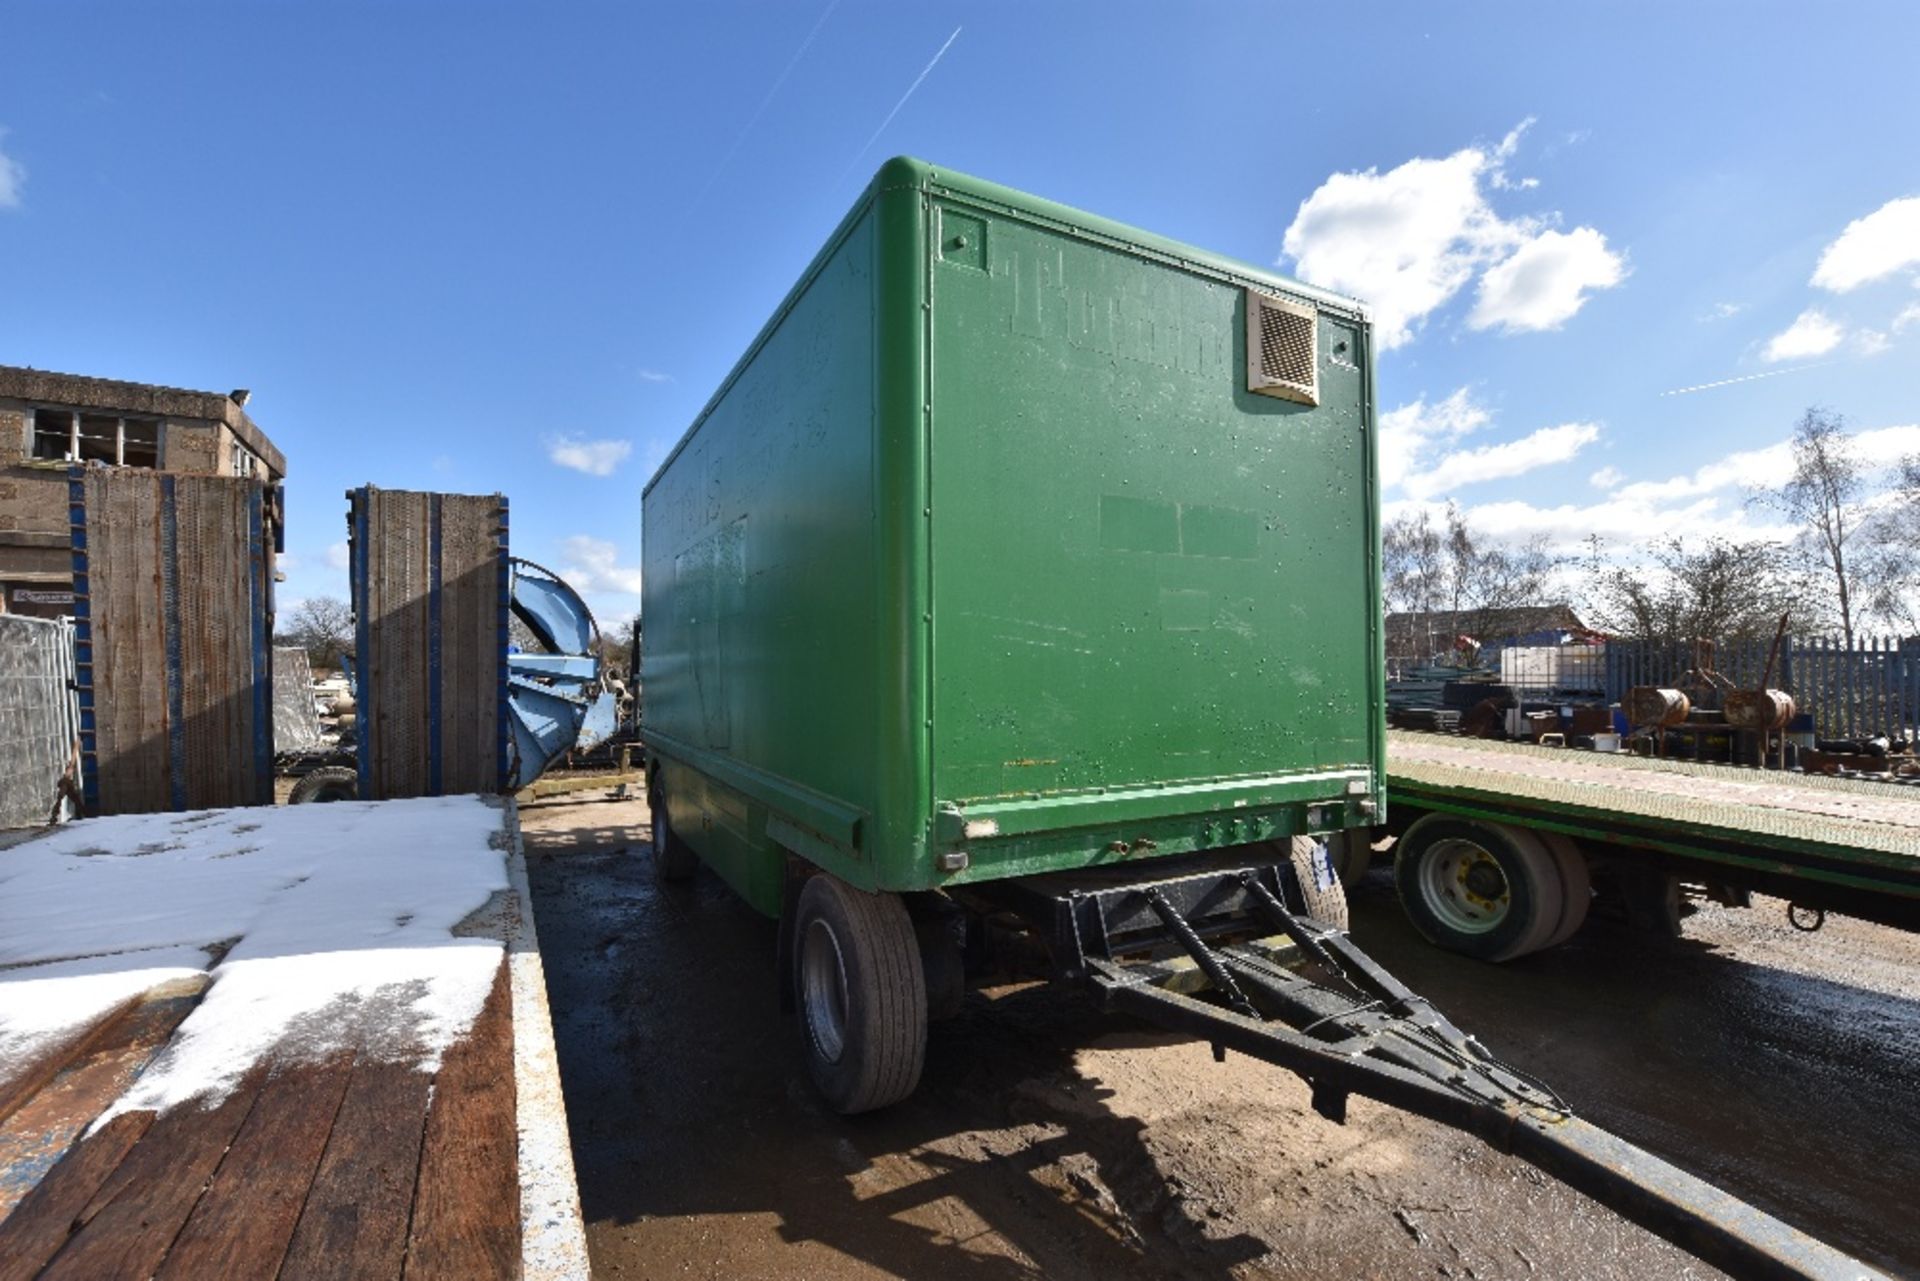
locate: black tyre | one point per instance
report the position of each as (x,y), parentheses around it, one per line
(1577,880)
(1321,890)
(1352,854)
(1481,889)
(329,783)
(861,994)
(673,858)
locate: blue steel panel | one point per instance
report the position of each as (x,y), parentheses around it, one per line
(503,716)
(83,639)
(257,590)
(170,604)
(358,499)
(435,777)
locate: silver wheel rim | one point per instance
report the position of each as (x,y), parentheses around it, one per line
(1464,886)
(660,832)
(823,988)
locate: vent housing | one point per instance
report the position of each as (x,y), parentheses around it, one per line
(1283,349)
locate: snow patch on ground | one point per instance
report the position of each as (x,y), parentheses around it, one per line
(332,925)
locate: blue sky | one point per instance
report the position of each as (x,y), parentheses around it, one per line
(479,247)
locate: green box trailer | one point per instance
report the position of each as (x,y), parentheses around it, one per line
(1014,607)
(998,553)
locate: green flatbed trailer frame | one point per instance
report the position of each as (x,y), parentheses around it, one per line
(1647,826)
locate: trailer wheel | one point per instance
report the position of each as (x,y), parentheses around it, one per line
(862,996)
(1322,891)
(1577,882)
(331,783)
(673,858)
(1352,855)
(1481,889)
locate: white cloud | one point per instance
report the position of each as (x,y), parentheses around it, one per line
(1813,333)
(1606,478)
(1504,459)
(592,565)
(339,555)
(1407,433)
(654,376)
(13,176)
(1872,247)
(594,457)
(1722,310)
(1909,315)
(1709,501)
(1769,465)
(1871,342)
(1544,282)
(1408,240)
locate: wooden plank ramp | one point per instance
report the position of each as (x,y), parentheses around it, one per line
(348,1167)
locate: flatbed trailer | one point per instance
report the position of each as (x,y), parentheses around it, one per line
(1499,845)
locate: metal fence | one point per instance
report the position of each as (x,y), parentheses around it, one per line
(1872,687)
(39,720)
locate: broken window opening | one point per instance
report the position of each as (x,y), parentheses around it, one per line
(99,438)
(140,442)
(53,433)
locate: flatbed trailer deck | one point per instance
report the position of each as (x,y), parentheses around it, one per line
(1640,825)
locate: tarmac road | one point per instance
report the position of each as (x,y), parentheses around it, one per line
(1050,1141)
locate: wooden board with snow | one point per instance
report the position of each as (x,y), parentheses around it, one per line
(272,1040)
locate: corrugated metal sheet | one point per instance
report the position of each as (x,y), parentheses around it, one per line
(39,719)
(172,605)
(296,723)
(429,576)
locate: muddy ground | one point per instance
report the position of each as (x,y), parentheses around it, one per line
(1050,1141)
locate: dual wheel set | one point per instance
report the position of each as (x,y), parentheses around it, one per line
(1488,890)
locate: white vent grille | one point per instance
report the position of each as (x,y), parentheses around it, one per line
(1283,349)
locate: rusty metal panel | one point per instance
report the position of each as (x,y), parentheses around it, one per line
(39,719)
(429,595)
(173,609)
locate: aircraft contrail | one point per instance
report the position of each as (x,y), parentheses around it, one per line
(903,102)
(1747,378)
(754,119)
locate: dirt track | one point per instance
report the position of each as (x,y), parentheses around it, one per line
(1049,1141)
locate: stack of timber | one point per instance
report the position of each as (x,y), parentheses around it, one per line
(1441,685)
(1436,720)
(429,579)
(172,592)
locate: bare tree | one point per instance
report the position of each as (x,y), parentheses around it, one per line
(1672,592)
(1893,575)
(1430,570)
(323,626)
(1826,497)
(1412,563)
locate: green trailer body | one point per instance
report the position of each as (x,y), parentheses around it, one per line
(986,560)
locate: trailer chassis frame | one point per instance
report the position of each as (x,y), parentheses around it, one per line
(1225,954)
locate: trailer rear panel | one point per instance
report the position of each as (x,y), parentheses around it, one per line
(1144,574)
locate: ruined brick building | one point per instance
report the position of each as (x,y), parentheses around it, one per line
(49,421)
